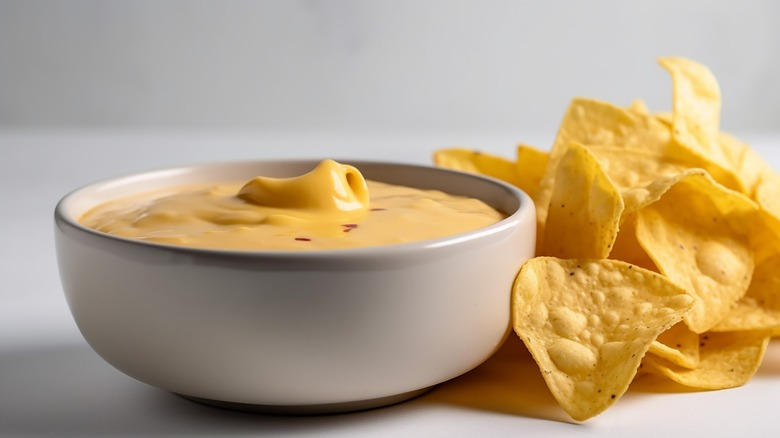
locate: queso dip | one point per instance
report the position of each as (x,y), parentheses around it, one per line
(332,206)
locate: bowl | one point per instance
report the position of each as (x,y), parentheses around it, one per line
(294,331)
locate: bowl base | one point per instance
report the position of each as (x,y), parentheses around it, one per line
(326,408)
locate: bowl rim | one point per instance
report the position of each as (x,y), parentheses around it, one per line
(526,206)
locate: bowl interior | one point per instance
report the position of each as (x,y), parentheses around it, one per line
(498,195)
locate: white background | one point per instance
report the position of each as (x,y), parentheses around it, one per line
(394,65)
(92,89)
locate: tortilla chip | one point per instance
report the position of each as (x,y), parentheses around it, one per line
(726,360)
(585,209)
(588,323)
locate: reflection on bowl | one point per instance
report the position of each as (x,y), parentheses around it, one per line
(315,331)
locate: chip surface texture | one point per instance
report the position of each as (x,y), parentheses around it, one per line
(588,323)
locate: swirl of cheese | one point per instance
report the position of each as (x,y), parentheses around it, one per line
(331,189)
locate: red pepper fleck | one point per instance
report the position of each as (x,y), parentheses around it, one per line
(378,209)
(303,239)
(349,227)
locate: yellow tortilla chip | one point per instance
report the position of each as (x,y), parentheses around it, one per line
(598,123)
(627,247)
(726,360)
(468,160)
(697,234)
(678,345)
(588,323)
(766,236)
(767,194)
(531,163)
(747,166)
(759,309)
(585,209)
(696,119)
(695,107)
(639,197)
(639,106)
(593,122)
(634,168)
(665,118)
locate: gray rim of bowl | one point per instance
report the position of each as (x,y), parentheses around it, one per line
(526,206)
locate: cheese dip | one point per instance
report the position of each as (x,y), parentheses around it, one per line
(332,206)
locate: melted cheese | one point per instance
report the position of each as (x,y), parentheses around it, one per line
(333,206)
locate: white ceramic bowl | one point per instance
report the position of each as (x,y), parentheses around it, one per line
(318,331)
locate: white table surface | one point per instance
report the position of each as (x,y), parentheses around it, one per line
(52,383)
